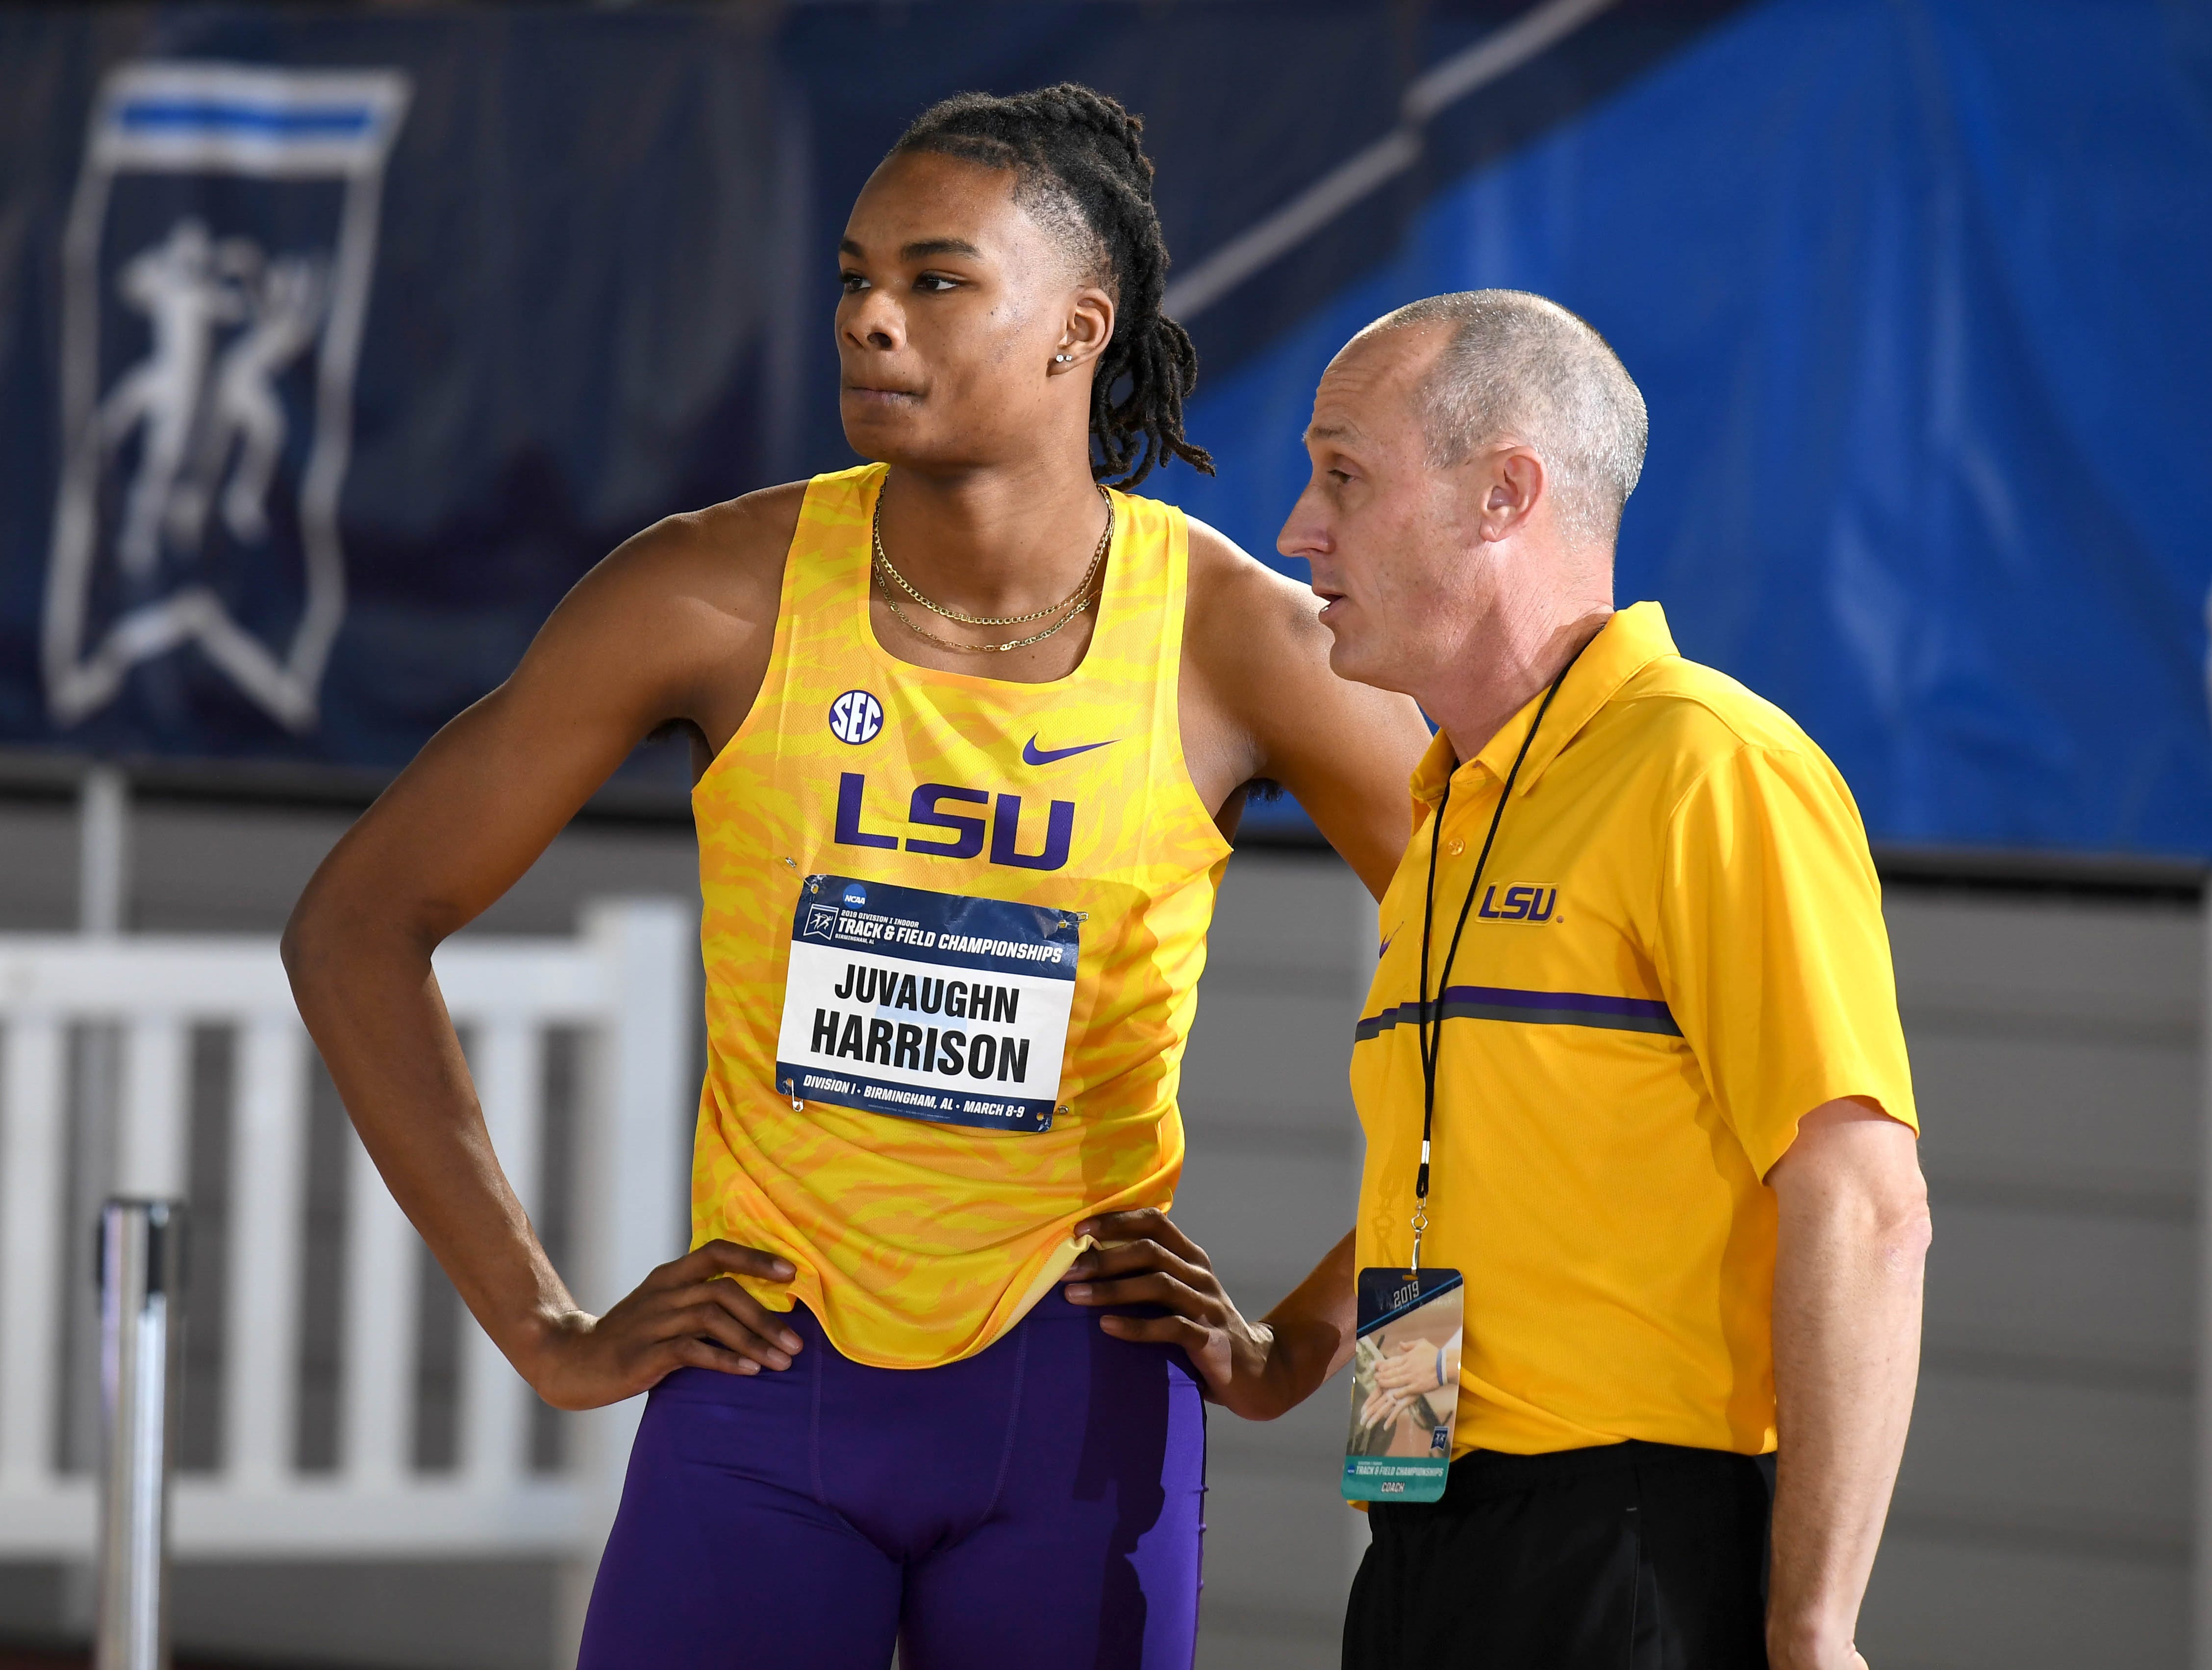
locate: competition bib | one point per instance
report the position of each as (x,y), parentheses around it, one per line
(926,1005)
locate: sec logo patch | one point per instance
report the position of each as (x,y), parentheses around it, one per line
(855,716)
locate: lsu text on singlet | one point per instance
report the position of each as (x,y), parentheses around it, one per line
(953,930)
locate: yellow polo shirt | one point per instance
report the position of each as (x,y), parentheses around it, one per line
(1676,953)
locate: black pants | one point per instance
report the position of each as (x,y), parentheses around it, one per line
(1631,1557)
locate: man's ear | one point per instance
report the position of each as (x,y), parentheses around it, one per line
(1513,483)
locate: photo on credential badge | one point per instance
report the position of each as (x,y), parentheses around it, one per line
(1405,1385)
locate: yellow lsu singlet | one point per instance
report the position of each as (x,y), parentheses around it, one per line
(953,930)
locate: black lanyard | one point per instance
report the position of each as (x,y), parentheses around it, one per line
(1431,1019)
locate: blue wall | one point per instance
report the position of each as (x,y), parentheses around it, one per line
(1917,295)
(1916,290)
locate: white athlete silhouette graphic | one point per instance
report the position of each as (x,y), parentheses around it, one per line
(167,534)
(195,416)
(285,301)
(175,285)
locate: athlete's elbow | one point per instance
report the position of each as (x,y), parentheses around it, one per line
(313,945)
(337,932)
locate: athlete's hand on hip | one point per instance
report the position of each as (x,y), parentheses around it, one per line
(683,1315)
(1143,1260)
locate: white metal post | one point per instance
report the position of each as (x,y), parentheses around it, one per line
(31,1165)
(269,1153)
(103,851)
(141,1322)
(151,1124)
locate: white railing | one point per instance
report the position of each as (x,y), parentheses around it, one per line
(626,982)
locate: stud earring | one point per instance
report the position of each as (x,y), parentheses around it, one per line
(1063,358)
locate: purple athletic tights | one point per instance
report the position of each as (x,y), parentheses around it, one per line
(1036,1506)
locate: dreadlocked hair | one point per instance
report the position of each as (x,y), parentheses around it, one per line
(1079,165)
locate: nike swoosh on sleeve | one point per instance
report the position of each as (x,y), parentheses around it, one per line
(1032,755)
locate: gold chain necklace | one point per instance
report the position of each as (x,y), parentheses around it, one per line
(1075,603)
(929,637)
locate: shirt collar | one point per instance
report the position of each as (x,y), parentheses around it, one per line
(1629,640)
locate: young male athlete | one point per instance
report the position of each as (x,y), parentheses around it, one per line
(969,730)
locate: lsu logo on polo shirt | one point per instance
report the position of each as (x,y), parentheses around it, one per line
(1518,901)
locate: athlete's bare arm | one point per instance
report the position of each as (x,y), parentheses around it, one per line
(675,626)
(1259,700)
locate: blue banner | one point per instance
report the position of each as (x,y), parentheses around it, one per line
(1916,296)
(335,345)
(334,348)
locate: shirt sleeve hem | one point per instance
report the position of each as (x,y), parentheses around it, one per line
(1889,1104)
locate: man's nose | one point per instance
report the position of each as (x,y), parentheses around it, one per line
(1306,531)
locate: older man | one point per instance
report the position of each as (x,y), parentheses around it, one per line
(1630,1060)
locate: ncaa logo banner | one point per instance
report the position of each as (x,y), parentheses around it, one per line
(216,265)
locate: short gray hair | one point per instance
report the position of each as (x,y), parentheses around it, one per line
(1518,365)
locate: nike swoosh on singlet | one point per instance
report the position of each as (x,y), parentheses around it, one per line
(1032,755)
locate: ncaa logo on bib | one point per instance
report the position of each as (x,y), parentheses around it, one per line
(855,716)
